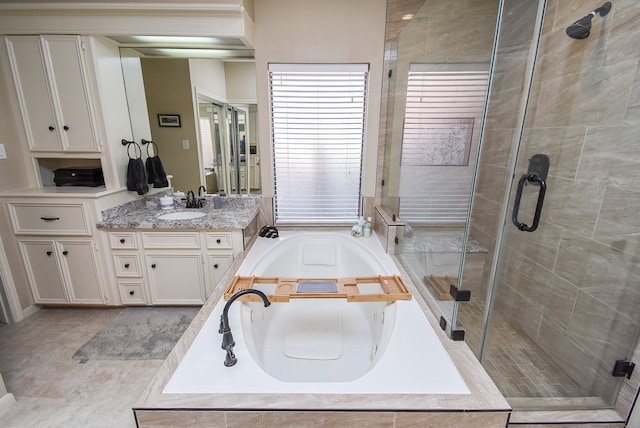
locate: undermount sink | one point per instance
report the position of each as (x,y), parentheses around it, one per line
(182,215)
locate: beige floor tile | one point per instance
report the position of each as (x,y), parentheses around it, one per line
(54,390)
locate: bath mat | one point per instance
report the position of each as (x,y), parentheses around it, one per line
(138,334)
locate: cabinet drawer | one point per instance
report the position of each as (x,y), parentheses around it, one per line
(219,240)
(49,219)
(171,240)
(123,241)
(132,292)
(127,265)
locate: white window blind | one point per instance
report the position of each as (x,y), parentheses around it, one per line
(317,123)
(443,116)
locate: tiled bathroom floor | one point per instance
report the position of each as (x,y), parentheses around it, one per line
(52,389)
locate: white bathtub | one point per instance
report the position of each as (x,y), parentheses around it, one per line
(319,345)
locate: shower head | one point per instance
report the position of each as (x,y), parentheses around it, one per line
(582,27)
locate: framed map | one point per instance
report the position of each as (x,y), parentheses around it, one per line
(437,142)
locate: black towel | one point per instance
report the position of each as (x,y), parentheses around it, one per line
(155,172)
(136,180)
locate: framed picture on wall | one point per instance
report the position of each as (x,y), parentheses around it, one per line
(170,120)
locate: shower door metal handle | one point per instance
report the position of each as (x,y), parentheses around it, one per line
(516,205)
(536,174)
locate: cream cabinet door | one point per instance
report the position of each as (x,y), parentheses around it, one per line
(63,271)
(81,268)
(41,263)
(218,266)
(53,91)
(175,277)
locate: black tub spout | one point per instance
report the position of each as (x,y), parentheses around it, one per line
(227,338)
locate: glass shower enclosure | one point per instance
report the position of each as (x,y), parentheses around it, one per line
(551,238)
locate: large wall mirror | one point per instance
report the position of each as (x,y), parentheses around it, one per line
(200,111)
(438,56)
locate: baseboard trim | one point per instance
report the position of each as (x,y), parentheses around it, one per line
(32,309)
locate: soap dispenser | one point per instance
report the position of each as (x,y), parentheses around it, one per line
(366,228)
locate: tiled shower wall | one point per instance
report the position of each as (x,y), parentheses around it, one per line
(572,285)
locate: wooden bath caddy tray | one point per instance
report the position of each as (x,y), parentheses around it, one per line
(380,288)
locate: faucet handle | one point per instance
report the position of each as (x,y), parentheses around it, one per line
(231,359)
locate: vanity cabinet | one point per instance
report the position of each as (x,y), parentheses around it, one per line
(55,98)
(220,254)
(174,264)
(171,267)
(129,269)
(176,277)
(62,271)
(59,253)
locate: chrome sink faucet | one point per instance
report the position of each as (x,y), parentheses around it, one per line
(227,338)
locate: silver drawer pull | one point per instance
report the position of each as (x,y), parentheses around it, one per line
(49,218)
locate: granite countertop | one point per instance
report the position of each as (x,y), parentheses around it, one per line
(236,213)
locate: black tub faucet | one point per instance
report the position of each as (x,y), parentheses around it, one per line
(227,338)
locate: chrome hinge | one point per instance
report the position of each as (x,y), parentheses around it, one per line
(623,368)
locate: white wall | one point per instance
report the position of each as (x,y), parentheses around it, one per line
(208,75)
(328,31)
(240,79)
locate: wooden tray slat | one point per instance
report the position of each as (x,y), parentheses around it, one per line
(393,288)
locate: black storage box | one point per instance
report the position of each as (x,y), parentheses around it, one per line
(79,176)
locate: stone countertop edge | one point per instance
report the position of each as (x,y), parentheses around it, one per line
(484,397)
(236,213)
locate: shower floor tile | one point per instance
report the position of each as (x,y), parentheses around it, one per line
(515,363)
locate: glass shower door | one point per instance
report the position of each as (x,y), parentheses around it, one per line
(557,308)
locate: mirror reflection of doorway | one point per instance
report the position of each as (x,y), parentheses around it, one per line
(210,116)
(226,141)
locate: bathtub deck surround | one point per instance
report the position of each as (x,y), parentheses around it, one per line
(473,400)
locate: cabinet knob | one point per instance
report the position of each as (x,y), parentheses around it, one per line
(51,128)
(153,266)
(66,128)
(126,265)
(65,252)
(215,266)
(131,293)
(218,241)
(49,253)
(122,241)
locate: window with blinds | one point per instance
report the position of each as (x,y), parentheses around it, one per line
(317,125)
(441,127)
